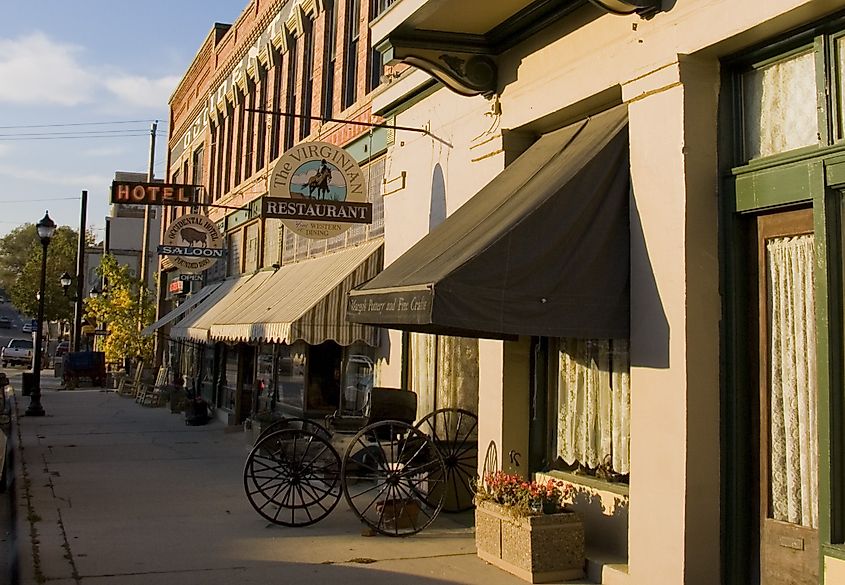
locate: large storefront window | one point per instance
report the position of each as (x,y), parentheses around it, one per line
(443,371)
(592,397)
(291,366)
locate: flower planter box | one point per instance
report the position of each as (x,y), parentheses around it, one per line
(539,549)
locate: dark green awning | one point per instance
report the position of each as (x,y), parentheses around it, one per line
(542,250)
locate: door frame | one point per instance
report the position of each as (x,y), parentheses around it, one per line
(817,179)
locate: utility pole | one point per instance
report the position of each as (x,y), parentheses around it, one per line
(80,274)
(145,246)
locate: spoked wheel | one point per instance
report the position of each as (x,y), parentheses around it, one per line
(393,478)
(293,422)
(455,434)
(292,477)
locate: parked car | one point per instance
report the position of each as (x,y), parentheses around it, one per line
(19,351)
(27,327)
(5,322)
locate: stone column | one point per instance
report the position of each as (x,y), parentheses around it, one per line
(675,309)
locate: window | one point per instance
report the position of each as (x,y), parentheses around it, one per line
(443,371)
(235,246)
(239,142)
(329,58)
(197,160)
(219,185)
(212,164)
(350,58)
(272,241)
(260,146)
(276,102)
(227,162)
(307,80)
(291,94)
(249,146)
(376,67)
(291,365)
(780,106)
(589,398)
(251,248)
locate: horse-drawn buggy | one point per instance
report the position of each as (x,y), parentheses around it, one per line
(396,476)
(77,365)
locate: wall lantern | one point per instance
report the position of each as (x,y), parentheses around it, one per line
(628,6)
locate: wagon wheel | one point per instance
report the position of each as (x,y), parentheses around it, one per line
(455,434)
(292,422)
(292,477)
(393,478)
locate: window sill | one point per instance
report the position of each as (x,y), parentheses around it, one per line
(620,489)
(836,551)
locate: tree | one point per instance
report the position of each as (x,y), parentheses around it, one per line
(20,270)
(119,309)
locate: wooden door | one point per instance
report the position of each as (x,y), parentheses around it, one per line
(788,447)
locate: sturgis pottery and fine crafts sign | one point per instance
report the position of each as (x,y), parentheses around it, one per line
(318,190)
(192,242)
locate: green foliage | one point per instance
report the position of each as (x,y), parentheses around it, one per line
(119,308)
(20,270)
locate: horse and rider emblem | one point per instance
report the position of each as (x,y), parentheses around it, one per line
(314,179)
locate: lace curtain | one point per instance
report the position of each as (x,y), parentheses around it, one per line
(444,372)
(792,413)
(594,403)
(779,106)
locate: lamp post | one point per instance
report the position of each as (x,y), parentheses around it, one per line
(46,228)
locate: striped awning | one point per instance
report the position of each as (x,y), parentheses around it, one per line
(302,301)
(195,326)
(188,304)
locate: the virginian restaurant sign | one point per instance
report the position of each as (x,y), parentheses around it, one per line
(318,190)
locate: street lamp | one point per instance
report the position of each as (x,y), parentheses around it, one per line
(46,228)
(94,292)
(65,280)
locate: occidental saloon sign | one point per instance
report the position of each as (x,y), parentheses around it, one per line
(318,190)
(192,243)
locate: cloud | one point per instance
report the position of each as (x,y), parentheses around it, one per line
(5,149)
(142,92)
(35,69)
(50,178)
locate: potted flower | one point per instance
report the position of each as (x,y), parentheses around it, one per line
(524,528)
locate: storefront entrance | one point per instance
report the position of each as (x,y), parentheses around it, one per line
(787,414)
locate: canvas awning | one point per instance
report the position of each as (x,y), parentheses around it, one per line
(303,301)
(188,304)
(195,326)
(542,250)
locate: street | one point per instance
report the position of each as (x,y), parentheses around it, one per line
(113,492)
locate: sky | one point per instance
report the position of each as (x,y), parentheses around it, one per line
(81,82)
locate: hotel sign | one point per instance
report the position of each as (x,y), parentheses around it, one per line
(154,193)
(192,242)
(318,190)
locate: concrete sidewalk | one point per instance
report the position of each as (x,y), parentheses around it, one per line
(110,492)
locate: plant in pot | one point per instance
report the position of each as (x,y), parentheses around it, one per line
(524,528)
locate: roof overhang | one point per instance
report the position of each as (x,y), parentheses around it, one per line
(457,42)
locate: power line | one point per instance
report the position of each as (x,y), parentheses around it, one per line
(60,125)
(17,138)
(38,200)
(75,132)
